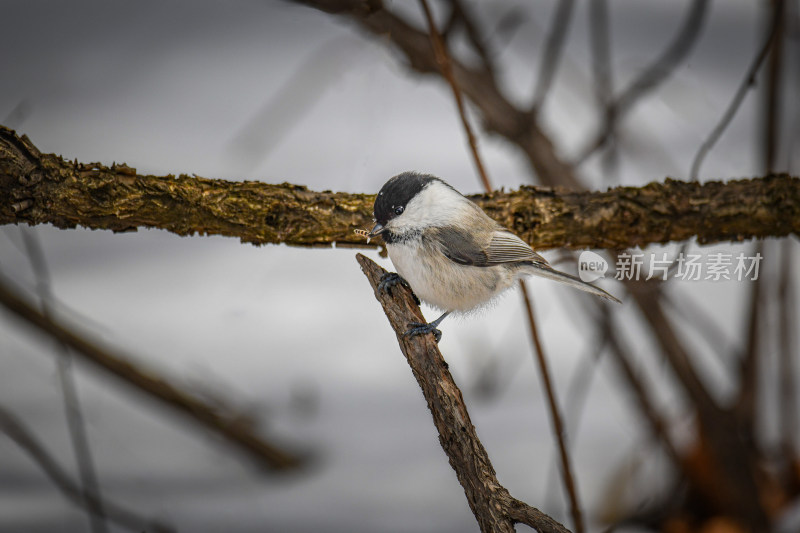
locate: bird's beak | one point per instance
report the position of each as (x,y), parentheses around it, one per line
(377,230)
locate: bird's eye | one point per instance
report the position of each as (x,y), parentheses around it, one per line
(398,210)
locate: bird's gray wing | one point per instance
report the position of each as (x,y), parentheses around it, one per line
(505,247)
(464,248)
(459,246)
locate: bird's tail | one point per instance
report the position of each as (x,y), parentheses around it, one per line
(546,271)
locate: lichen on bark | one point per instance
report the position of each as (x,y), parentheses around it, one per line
(37,188)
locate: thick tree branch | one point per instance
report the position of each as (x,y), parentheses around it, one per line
(493,506)
(38,188)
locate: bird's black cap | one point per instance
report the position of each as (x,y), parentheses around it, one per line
(397,192)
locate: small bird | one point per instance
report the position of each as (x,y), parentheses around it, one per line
(449,252)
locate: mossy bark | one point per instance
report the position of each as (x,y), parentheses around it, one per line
(38,188)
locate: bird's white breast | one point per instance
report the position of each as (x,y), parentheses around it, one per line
(444,284)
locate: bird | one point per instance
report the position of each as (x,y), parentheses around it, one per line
(449,252)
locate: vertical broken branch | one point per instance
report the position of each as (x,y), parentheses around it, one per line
(491,503)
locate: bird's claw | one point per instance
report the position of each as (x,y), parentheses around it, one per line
(386,283)
(390,279)
(419,328)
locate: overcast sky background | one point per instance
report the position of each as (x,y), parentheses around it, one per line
(276,92)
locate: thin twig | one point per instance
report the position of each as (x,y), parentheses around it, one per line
(89,501)
(551,52)
(600,51)
(601,68)
(652,76)
(461,14)
(772,93)
(72,405)
(443,59)
(280,114)
(752,360)
(787,388)
(680,361)
(578,389)
(692,315)
(153,386)
(646,406)
(745,85)
(555,416)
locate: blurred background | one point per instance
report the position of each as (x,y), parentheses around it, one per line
(279,91)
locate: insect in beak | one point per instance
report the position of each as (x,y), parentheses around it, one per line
(362,233)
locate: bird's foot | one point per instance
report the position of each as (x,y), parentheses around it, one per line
(390,279)
(418,328)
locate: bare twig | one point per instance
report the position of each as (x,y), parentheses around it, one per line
(748,81)
(622,357)
(72,405)
(772,94)
(155,387)
(444,62)
(752,361)
(652,76)
(692,314)
(89,501)
(676,354)
(461,14)
(551,52)
(787,387)
(603,83)
(296,97)
(491,503)
(600,51)
(749,367)
(555,416)
(577,392)
(785,286)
